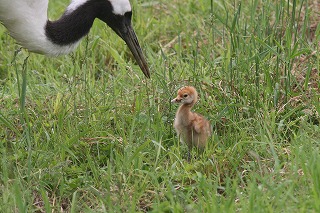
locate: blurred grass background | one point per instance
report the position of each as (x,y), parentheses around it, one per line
(96,136)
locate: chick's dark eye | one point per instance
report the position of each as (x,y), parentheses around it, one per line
(185,95)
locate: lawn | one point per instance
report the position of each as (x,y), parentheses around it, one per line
(89,133)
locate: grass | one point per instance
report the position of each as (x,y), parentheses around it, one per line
(88,133)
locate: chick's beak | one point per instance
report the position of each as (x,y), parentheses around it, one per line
(176,100)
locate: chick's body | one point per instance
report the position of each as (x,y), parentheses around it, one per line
(192,128)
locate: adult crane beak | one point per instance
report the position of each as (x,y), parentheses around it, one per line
(129,36)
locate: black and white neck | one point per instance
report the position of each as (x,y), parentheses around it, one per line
(28,23)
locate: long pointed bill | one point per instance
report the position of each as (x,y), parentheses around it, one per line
(132,41)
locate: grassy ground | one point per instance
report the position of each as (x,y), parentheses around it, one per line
(93,135)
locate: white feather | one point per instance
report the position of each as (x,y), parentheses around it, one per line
(75,4)
(120,7)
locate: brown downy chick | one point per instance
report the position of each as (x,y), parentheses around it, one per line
(192,128)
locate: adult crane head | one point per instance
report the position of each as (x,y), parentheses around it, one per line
(120,21)
(27,22)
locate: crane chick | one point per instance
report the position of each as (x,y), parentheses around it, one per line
(192,128)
